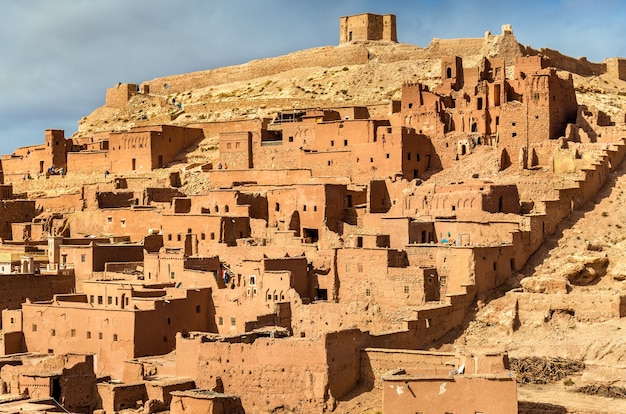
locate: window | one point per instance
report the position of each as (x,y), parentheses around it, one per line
(228,145)
(360,267)
(169,321)
(172,275)
(233,321)
(198,308)
(212,236)
(406,290)
(109,300)
(114,337)
(304,207)
(100,301)
(202,236)
(169,237)
(91,298)
(387,155)
(109,219)
(83,258)
(220,321)
(123,223)
(345,142)
(226,209)
(73,333)
(277,207)
(178,237)
(165,339)
(34,328)
(314,208)
(514,134)
(332,143)
(88,334)
(252,280)
(368,292)
(236,144)
(408,156)
(290,139)
(410,105)
(99,335)
(53,332)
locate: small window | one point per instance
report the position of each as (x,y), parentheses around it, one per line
(304,207)
(406,290)
(178,237)
(233,321)
(88,334)
(53,332)
(34,328)
(332,143)
(73,333)
(408,156)
(109,300)
(109,219)
(198,308)
(371,159)
(277,207)
(290,139)
(226,209)
(202,236)
(368,292)
(228,145)
(410,105)
(100,336)
(165,339)
(114,337)
(100,300)
(345,142)
(314,208)
(212,236)
(252,280)
(220,321)
(91,298)
(169,237)
(514,134)
(123,223)
(83,258)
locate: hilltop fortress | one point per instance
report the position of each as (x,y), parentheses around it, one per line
(287,258)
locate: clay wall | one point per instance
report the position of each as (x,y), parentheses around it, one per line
(235,150)
(228,178)
(87,162)
(273,369)
(15,211)
(306,207)
(404,394)
(62,203)
(119,95)
(323,56)
(205,401)
(210,229)
(616,67)
(375,362)
(116,397)
(18,288)
(133,223)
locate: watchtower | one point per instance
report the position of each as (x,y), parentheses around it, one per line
(367,26)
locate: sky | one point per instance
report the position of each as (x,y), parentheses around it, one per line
(58,57)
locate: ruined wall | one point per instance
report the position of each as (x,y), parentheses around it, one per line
(268,373)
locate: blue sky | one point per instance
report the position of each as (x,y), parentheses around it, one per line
(58,57)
